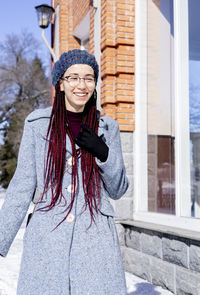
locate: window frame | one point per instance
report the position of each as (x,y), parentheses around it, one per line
(182,217)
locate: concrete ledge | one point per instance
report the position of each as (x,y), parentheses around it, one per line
(168,230)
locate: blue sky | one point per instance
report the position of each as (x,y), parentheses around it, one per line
(194,78)
(17,15)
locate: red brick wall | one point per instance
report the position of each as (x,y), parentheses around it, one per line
(80,9)
(71,13)
(117,62)
(92,29)
(66,27)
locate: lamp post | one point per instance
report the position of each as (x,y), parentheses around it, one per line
(44,14)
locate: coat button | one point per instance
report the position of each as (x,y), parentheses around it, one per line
(70,188)
(69,161)
(70,218)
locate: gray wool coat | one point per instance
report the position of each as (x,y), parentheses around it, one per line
(72,259)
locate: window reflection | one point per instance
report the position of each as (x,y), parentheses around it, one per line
(194,103)
(160,108)
(161,174)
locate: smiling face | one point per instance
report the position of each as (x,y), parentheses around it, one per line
(77,96)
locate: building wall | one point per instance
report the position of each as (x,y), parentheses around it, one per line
(91,42)
(124,206)
(160,257)
(80,9)
(117,47)
(66,27)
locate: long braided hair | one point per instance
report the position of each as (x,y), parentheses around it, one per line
(56,158)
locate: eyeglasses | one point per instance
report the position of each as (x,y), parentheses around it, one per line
(75,80)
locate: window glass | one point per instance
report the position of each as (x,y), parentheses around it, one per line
(160,107)
(194,103)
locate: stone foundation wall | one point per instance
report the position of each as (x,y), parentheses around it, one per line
(124,206)
(163,259)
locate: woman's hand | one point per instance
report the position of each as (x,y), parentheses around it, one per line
(92,143)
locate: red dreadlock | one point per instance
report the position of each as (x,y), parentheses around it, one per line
(56,157)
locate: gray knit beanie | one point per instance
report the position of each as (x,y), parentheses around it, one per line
(67,59)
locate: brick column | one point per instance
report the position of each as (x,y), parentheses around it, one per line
(92,30)
(66,25)
(117,63)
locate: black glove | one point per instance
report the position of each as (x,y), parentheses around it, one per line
(92,143)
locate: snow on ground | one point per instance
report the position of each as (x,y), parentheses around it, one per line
(138,286)
(9,270)
(9,267)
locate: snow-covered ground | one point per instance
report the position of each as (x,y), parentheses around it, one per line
(9,269)
(138,286)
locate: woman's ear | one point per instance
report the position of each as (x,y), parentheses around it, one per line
(61,85)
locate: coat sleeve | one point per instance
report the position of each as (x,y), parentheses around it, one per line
(113,170)
(20,191)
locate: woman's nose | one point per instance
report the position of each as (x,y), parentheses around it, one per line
(81,83)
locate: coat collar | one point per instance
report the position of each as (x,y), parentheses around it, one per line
(44,114)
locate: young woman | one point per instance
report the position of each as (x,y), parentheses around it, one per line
(73,156)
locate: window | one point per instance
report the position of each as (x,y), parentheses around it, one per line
(167,135)
(160,107)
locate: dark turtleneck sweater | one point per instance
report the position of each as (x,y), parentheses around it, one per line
(75,121)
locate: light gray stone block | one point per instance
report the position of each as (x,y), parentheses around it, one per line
(151,244)
(128,162)
(163,274)
(124,208)
(187,283)
(175,251)
(132,238)
(136,263)
(195,258)
(121,234)
(129,192)
(127,141)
